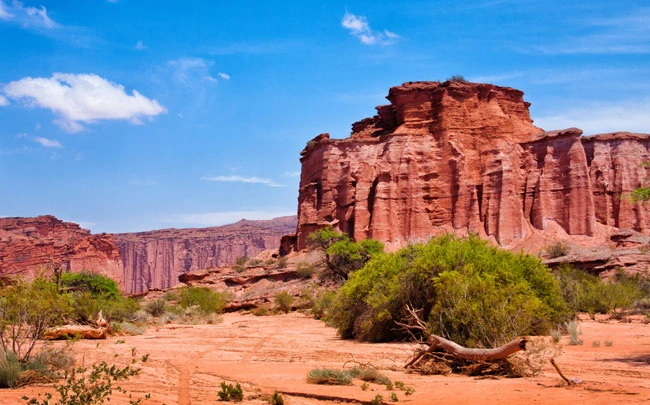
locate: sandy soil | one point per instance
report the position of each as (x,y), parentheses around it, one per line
(188,362)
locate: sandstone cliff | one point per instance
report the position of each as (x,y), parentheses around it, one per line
(156,259)
(466,158)
(31,245)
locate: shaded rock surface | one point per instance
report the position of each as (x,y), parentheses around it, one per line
(155,259)
(31,245)
(462,158)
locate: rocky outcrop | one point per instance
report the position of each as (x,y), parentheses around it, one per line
(155,259)
(466,158)
(32,245)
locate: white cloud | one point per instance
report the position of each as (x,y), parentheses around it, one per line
(225,217)
(359,27)
(291,174)
(48,143)
(192,71)
(3,101)
(241,179)
(632,116)
(82,98)
(224,76)
(28,17)
(140,46)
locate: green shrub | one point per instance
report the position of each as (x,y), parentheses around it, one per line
(468,291)
(282,262)
(370,374)
(557,249)
(255,262)
(207,300)
(305,270)
(377,400)
(284,301)
(26,310)
(96,284)
(322,303)
(329,376)
(156,307)
(241,261)
(83,386)
(229,392)
(276,399)
(457,78)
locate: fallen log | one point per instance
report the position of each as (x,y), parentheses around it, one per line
(83,331)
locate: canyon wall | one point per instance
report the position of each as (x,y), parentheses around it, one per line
(466,158)
(155,259)
(32,245)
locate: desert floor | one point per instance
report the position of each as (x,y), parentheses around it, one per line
(187,363)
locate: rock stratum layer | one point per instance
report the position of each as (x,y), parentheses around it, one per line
(466,158)
(31,245)
(155,259)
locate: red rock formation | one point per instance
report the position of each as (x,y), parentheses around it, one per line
(31,245)
(156,259)
(465,158)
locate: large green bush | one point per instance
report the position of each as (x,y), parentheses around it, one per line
(467,291)
(206,300)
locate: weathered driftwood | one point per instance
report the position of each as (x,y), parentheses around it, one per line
(438,343)
(83,331)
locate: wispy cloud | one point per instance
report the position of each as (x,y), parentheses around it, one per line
(224,76)
(3,101)
(593,118)
(82,98)
(140,46)
(224,217)
(291,174)
(626,34)
(28,17)
(192,72)
(48,143)
(242,179)
(359,27)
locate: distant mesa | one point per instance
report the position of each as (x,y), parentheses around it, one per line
(465,158)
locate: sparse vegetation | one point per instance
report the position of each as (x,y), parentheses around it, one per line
(370,374)
(457,78)
(282,262)
(574,331)
(557,249)
(207,301)
(230,393)
(595,343)
(83,386)
(284,301)
(377,400)
(609,343)
(156,307)
(305,270)
(329,376)
(276,399)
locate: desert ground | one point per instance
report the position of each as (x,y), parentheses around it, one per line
(187,363)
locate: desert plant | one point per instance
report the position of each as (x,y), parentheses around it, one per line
(305,270)
(230,393)
(557,249)
(156,307)
(556,335)
(205,299)
(370,374)
(276,399)
(322,302)
(83,386)
(393,397)
(574,331)
(609,343)
(26,310)
(255,262)
(241,261)
(284,301)
(282,262)
(595,343)
(377,400)
(364,386)
(329,376)
(466,291)
(457,78)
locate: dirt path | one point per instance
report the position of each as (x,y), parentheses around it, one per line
(188,363)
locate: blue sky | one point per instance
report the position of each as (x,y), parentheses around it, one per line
(131,115)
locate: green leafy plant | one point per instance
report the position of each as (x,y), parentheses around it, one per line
(364,386)
(466,291)
(393,397)
(83,386)
(329,376)
(276,399)
(206,300)
(284,301)
(230,393)
(377,400)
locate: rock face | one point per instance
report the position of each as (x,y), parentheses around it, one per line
(31,245)
(466,158)
(156,259)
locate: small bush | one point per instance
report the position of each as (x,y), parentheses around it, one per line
(269,262)
(574,332)
(595,343)
(261,311)
(128,328)
(276,399)
(556,335)
(370,374)
(282,262)
(230,393)
(322,303)
(393,397)
(156,307)
(329,376)
(305,270)
(205,299)
(609,343)
(457,78)
(255,262)
(557,249)
(284,301)
(377,400)
(241,261)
